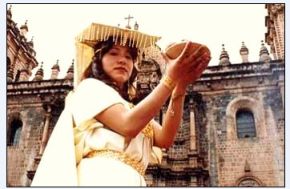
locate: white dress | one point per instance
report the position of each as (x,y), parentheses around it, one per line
(89,99)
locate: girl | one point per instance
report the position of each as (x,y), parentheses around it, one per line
(113,139)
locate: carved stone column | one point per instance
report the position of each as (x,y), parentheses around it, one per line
(192,126)
(193,181)
(282,89)
(44,138)
(281,84)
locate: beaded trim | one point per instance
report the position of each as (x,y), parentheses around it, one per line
(121,156)
(148,130)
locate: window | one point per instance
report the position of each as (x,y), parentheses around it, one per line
(15,132)
(249,183)
(250,108)
(245,124)
(8,64)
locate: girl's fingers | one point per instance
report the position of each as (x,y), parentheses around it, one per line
(200,65)
(185,52)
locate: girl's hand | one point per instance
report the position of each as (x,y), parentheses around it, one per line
(189,64)
(192,74)
(176,68)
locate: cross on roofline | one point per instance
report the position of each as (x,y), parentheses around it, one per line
(128,18)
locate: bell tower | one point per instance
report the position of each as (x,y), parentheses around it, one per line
(275,29)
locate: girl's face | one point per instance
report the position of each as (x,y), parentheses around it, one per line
(118,64)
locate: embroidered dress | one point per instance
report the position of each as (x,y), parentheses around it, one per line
(104,157)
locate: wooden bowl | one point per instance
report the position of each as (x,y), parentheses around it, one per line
(175,49)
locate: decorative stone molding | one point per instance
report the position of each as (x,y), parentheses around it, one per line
(277,8)
(275,29)
(246,181)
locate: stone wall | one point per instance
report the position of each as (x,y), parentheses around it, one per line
(21,157)
(28,102)
(240,161)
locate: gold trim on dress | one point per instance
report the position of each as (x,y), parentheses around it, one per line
(121,156)
(148,130)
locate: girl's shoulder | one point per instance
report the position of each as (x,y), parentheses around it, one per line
(90,81)
(94,87)
(91,84)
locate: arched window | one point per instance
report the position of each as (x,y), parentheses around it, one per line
(245,124)
(8,63)
(15,132)
(248,183)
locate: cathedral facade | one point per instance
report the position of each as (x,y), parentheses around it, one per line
(232,132)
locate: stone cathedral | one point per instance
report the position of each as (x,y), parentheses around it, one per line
(232,132)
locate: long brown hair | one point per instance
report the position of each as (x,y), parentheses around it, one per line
(95,69)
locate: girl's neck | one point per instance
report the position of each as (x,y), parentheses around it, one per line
(119,85)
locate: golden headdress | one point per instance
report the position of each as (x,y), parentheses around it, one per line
(96,33)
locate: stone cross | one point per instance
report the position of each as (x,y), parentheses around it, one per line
(128,18)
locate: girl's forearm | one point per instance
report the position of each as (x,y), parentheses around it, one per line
(147,109)
(172,120)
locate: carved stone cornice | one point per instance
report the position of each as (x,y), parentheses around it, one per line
(217,78)
(38,87)
(276,8)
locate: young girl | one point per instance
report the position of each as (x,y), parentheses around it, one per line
(113,139)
